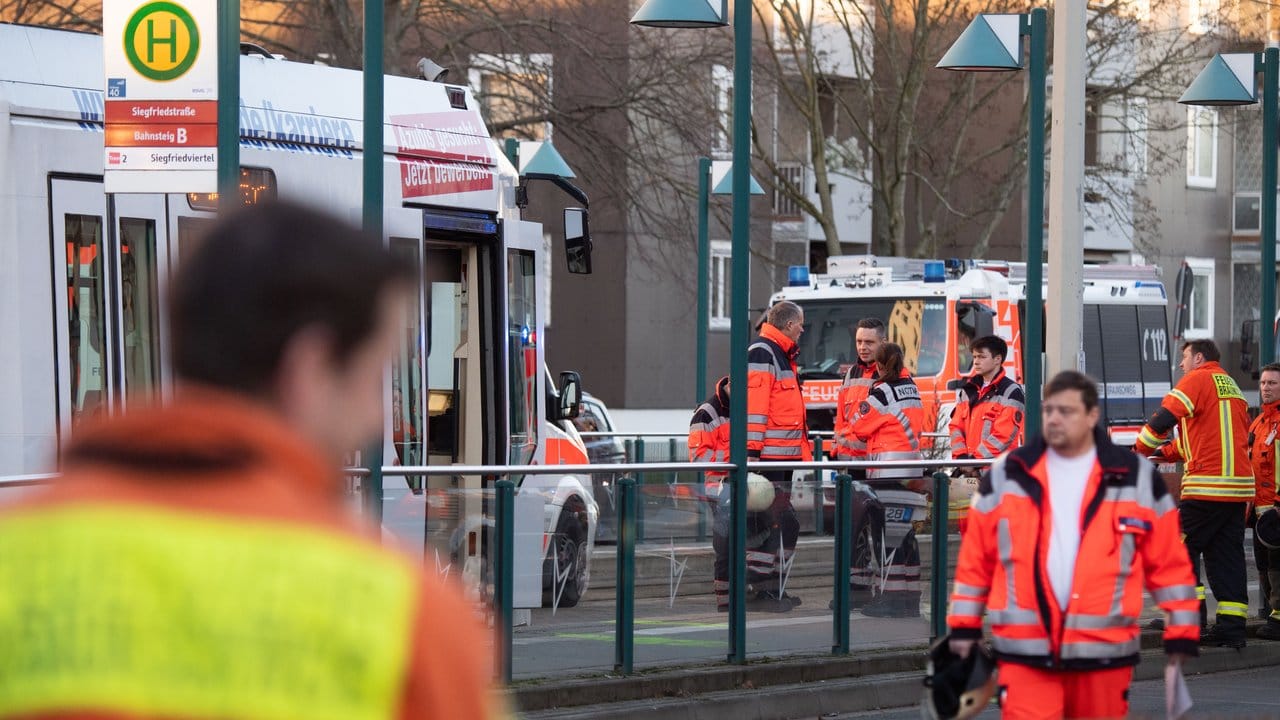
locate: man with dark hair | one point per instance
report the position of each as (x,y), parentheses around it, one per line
(227,578)
(1212,419)
(1264,443)
(869,336)
(1063,534)
(988,416)
(776,426)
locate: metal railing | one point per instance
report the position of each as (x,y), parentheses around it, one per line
(628,526)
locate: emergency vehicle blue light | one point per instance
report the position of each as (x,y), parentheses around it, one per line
(798,276)
(524,334)
(935,271)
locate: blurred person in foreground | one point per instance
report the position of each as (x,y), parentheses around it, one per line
(197,560)
(1064,534)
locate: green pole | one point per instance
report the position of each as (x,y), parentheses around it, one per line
(843,558)
(228,103)
(504,579)
(704,282)
(1033,324)
(372,207)
(738,327)
(624,602)
(1270,75)
(938,579)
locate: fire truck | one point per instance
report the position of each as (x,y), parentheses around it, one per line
(83,280)
(934,308)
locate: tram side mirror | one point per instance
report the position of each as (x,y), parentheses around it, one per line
(570,395)
(1248,340)
(577,241)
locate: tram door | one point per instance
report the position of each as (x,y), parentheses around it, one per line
(107,253)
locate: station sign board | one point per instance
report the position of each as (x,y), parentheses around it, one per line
(161,95)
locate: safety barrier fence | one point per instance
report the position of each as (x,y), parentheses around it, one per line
(495,489)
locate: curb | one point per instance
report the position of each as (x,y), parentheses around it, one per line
(800,686)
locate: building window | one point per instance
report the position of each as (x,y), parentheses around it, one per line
(1202,147)
(1136,137)
(722,86)
(790,181)
(1204,16)
(721,251)
(514,92)
(1200,308)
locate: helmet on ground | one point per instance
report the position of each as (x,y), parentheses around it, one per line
(958,687)
(759,492)
(1267,529)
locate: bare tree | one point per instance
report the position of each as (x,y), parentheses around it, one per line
(69,14)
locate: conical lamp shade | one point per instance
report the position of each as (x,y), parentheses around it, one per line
(990,43)
(541,158)
(1221,82)
(680,14)
(725,186)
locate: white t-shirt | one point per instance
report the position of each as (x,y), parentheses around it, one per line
(1068,478)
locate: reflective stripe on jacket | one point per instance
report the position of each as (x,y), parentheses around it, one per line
(1130,536)
(1264,441)
(709,430)
(776,427)
(857,383)
(987,420)
(890,422)
(1212,419)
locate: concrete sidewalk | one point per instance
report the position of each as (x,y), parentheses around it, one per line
(796,687)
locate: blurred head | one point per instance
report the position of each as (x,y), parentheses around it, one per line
(788,318)
(988,354)
(889,361)
(1196,353)
(296,309)
(1070,412)
(1269,383)
(869,335)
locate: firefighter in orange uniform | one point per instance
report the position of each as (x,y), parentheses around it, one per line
(709,442)
(776,428)
(1063,534)
(869,335)
(890,422)
(988,417)
(1211,415)
(1264,442)
(212,533)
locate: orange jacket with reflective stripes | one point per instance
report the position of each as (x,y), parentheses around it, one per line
(776,428)
(987,419)
(1130,538)
(219,618)
(857,384)
(1212,418)
(709,429)
(890,421)
(1264,441)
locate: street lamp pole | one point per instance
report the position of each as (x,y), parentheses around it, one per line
(371,214)
(1230,80)
(1033,320)
(738,324)
(704,287)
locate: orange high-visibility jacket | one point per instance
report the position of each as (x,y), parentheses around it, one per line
(1264,441)
(1130,538)
(709,429)
(776,428)
(857,384)
(225,571)
(890,421)
(987,420)
(1213,437)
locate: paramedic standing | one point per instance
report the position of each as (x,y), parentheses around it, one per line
(1064,532)
(1211,416)
(869,335)
(1264,441)
(988,417)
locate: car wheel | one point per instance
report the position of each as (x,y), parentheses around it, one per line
(566,563)
(868,550)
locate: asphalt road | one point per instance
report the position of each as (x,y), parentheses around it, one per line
(1240,694)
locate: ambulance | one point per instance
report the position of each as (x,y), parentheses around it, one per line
(84,274)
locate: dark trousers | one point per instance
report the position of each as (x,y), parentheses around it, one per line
(1262,561)
(1214,531)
